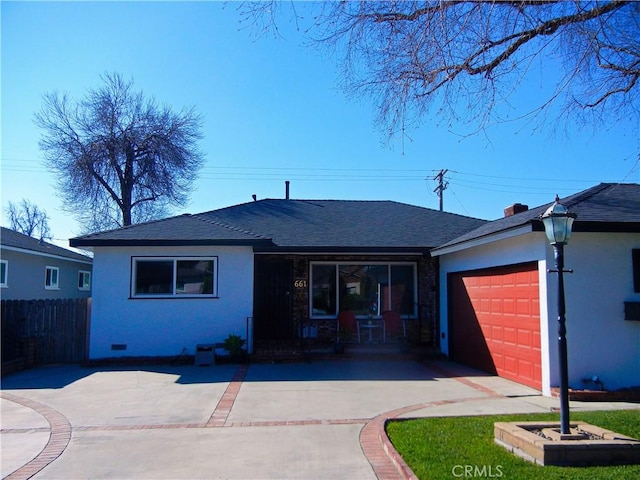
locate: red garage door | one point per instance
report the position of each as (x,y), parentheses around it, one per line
(494,322)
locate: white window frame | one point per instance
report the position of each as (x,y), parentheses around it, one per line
(49,284)
(336,264)
(82,274)
(174,293)
(4,281)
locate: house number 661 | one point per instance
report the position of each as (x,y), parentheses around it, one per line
(300,284)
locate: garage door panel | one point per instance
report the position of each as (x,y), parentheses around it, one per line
(494,322)
(497,333)
(496,305)
(510,336)
(510,365)
(508,306)
(499,362)
(525,370)
(523,307)
(484,307)
(525,338)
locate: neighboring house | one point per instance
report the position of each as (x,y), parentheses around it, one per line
(499,304)
(292,266)
(33,270)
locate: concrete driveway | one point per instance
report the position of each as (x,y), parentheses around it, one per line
(319,420)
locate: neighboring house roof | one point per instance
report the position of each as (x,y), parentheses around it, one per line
(12,240)
(607,207)
(300,225)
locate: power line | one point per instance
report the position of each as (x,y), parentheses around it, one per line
(492,186)
(516,189)
(22,164)
(484,182)
(524,179)
(460,202)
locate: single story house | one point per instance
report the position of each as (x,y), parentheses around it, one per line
(498,302)
(31,269)
(273,270)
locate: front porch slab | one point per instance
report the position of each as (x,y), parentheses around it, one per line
(587,445)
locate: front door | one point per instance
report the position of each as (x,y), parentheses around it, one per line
(273,308)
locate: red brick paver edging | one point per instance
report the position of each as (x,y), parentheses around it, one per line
(376,446)
(383,457)
(221,413)
(60,435)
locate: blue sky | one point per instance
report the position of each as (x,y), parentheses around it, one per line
(273,112)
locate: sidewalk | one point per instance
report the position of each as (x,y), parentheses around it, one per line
(320,420)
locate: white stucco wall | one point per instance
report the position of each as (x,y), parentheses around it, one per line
(599,340)
(167,327)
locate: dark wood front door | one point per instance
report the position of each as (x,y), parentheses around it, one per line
(273,308)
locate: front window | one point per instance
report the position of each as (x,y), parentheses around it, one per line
(168,277)
(365,289)
(51,275)
(84,280)
(323,288)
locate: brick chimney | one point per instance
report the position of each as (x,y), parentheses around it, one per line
(515,209)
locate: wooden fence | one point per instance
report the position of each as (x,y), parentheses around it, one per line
(45,331)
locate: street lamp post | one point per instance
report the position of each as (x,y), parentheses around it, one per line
(557,225)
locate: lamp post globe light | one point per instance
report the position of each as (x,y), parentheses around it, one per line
(557,222)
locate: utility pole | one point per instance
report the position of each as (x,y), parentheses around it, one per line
(442,186)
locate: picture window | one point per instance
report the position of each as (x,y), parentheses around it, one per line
(363,288)
(174,277)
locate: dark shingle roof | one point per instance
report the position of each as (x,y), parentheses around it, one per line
(605,207)
(300,225)
(345,223)
(182,230)
(11,238)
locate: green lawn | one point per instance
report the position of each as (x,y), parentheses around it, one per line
(463,447)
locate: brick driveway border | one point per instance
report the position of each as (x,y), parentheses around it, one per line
(235,396)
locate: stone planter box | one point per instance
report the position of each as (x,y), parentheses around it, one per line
(587,446)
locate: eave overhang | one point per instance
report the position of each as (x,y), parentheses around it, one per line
(342,250)
(536,225)
(78,242)
(483,240)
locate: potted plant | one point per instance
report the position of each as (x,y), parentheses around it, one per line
(234,344)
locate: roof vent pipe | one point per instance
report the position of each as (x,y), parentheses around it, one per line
(286,189)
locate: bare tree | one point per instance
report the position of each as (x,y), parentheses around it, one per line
(119,158)
(27,218)
(464,60)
